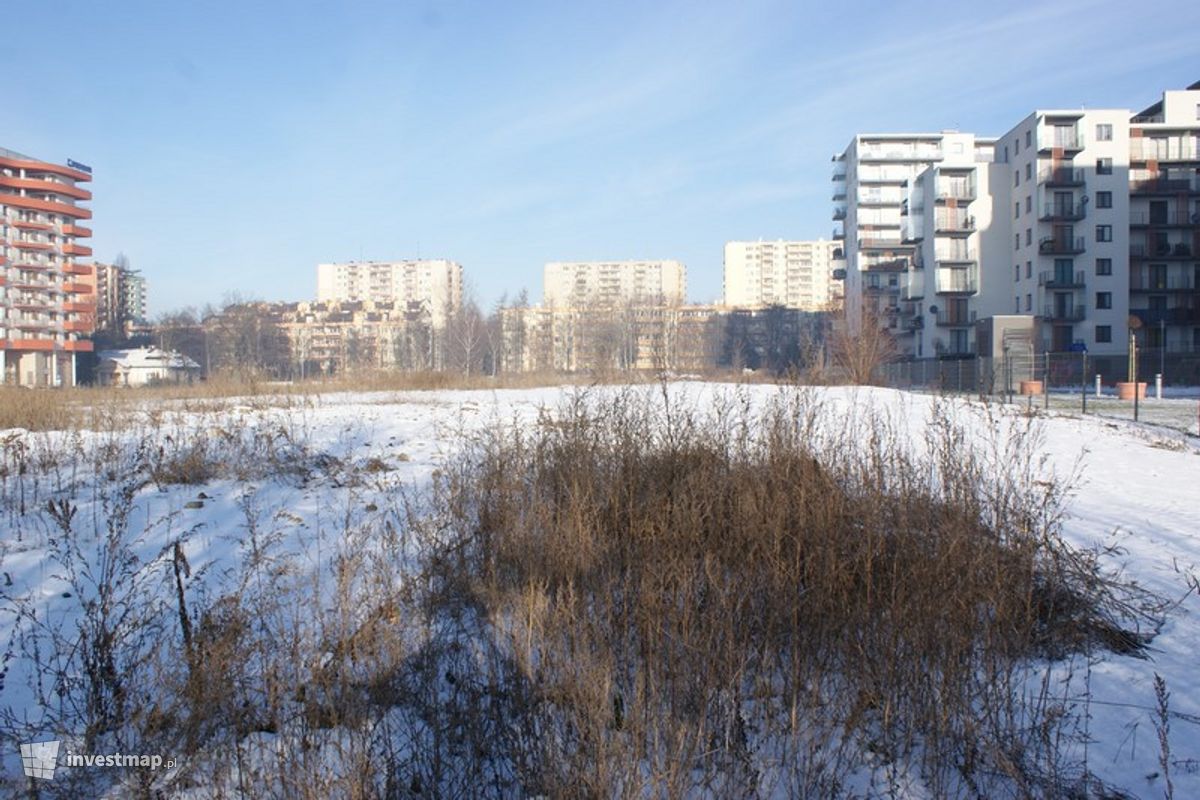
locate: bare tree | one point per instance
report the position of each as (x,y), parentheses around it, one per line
(860,355)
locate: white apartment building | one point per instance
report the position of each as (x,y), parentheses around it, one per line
(948,216)
(1066,191)
(612,283)
(875,186)
(1164,221)
(796,274)
(435,283)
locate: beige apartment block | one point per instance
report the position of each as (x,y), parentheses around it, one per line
(436,284)
(796,274)
(614,283)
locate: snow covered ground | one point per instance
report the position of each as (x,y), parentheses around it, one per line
(1138,498)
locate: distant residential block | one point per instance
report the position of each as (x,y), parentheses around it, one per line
(575,284)
(436,284)
(796,274)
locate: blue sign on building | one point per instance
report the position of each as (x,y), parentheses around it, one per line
(78,166)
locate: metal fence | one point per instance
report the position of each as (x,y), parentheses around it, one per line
(1077,383)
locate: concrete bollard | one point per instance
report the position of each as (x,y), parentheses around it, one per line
(1097,384)
(1158,386)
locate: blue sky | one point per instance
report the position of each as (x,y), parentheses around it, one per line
(236,145)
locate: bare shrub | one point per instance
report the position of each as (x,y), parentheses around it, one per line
(746,601)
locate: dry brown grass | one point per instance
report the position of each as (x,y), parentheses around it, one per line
(631,597)
(730,603)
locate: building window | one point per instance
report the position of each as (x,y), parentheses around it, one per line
(1028,236)
(1028,269)
(1103,334)
(1016,272)
(1104,166)
(1104,233)
(1103,299)
(1016,177)
(1016,147)
(1104,133)
(1104,266)
(1028,204)
(1029,138)
(1029,302)
(1017,210)
(1103,199)
(1016,241)
(1029,171)
(1017,305)
(1197,110)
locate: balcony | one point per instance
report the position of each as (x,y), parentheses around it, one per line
(46,205)
(1162,151)
(1061,246)
(1139,282)
(956,281)
(914,287)
(77,269)
(1060,177)
(954,255)
(32,245)
(955,319)
(71,249)
(838,235)
(899,153)
(1162,250)
(77,231)
(1151,186)
(839,193)
(1066,140)
(839,214)
(1179,218)
(1168,316)
(953,224)
(32,226)
(34,185)
(876,243)
(961,191)
(80,308)
(77,326)
(1062,280)
(1063,212)
(1065,313)
(890,265)
(77,288)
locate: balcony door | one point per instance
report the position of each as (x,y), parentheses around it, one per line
(1064,304)
(1062,203)
(1158,212)
(1063,269)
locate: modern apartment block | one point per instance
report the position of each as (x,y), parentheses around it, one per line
(903,204)
(1067,200)
(120,298)
(46,300)
(1084,219)
(795,274)
(435,283)
(1164,221)
(577,284)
